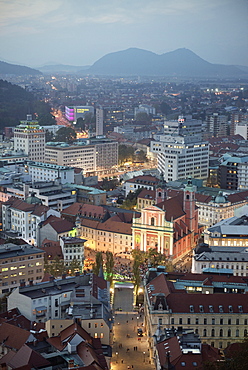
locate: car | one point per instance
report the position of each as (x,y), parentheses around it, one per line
(140,332)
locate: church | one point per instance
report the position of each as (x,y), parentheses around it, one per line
(168,223)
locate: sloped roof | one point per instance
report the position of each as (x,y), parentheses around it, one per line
(13,336)
(60,225)
(27,356)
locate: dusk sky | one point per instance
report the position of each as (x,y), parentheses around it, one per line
(78,32)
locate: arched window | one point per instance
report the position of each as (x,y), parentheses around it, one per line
(245,333)
(205,332)
(229,333)
(187,196)
(152,221)
(221,332)
(213,333)
(159,193)
(237,333)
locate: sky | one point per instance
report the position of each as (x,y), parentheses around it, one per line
(79,32)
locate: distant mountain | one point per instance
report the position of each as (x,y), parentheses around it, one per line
(181,63)
(61,68)
(14,69)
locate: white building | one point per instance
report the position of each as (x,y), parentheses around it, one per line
(181,157)
(49,172)
(145,108)
(23,218)
(73,248)
(207,258)
(181,152)
(30,138)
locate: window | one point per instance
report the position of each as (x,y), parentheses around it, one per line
(230,309)
(237,321)
(221,332)
(229,322)
(211,309)
(240,308)
(197,321)
(213,321)
(152,221)
(188,320)
(220,308)
(89,325)
(237,333)
(205,332)
(213,333)
(191,308)
(205,321)
(180,321)
(229,333)
(56,313)
(95,325)
(172,321)
(201,308)
(245,321)
(221,321)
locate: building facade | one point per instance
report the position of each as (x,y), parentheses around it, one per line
(18,264)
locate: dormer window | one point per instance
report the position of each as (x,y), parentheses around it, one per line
(240,309)
(191,308)
(201,308)
(211,309)
(230,309)
(220,308)
(160,307)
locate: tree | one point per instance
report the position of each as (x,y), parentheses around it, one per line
(98,263)
(131,199)
(136,273)
(125,153)
(66,134)
(55,267)
(49,136)
(155,258)
(74,266)
(142,117)
(109,266)
(141,156)
(165,108)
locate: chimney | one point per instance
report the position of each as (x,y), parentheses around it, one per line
(71,364)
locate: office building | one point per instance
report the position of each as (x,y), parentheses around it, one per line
(29,137)
(40,171)
(95,155)
(72,113)
(233,172)
(217,125)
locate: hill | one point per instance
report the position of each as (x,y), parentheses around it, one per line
(181,63)
(16,103)
(14,69)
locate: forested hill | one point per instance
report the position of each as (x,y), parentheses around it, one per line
(16,103)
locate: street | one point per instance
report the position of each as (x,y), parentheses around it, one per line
(129,350)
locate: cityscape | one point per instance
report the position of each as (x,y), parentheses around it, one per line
(123,186)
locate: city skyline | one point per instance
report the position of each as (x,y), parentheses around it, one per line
(80,32)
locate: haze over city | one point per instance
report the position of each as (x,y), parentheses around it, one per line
(79,32)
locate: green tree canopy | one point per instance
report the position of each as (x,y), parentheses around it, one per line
(109,265)
(142,117)
(66,134)
(125,153)
(98,263)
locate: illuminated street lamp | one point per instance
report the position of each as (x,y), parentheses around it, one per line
(137,320)
(116,356)
(144,356)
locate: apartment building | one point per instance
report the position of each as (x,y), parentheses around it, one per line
(18,264)
(40,171)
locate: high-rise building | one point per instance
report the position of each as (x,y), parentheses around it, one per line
(29,137)
(99,121)
(181,151)
(217,125)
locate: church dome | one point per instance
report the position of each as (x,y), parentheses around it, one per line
(220,198)
(32,199)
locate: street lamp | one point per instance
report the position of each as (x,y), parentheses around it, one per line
(144,356)
(137,320)
(116,356)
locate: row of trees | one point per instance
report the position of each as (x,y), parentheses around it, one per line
(57,267)
(109,265)
(128,154)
